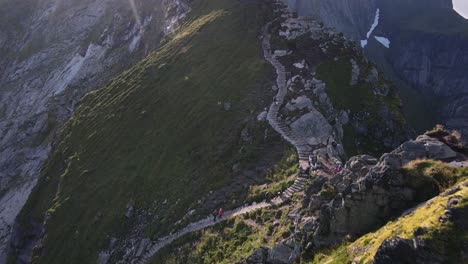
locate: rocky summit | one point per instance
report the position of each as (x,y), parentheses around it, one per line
(250,131)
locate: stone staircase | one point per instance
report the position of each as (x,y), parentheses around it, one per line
(303,149)
(299,185)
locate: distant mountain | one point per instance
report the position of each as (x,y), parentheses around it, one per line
(427,55)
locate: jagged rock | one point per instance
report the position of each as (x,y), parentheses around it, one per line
(227,106)
(262,116)
(258,257)
(369,192)
(299,103)
(142,247)
(280,254)
(103,257)
(245,135)
(436,149)
(373,76)
(354,72)
(395,251)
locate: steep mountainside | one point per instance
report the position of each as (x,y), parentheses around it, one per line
(192,127)
(139,120)
(427,50)
(157,143)
(53,52)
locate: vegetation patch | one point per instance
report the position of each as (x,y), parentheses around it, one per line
(227,242)
(278,180)
(370,112)
(431,177)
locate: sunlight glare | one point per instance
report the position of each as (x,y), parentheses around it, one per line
(135,12)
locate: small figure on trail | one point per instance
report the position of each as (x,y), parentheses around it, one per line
(312,159)
(215,214)
(220,213)
(340,167)
(335,170)
(267,197)
(275,101)
(308,170)
(301,170)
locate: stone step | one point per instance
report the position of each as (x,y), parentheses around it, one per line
(295,188)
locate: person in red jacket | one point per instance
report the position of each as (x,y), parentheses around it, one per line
(220,213)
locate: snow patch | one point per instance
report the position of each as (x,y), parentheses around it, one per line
(373,27)
(383,40)
(461,7)
(363,43)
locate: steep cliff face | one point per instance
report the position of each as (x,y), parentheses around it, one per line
(53,52)
(429,51)
(350,17)
(427,47)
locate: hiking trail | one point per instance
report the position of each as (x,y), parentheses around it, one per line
(302,148)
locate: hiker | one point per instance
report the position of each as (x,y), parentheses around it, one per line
(340,167)
(215,213)
(267,197)
(335,170)
(220,213)
(308,170)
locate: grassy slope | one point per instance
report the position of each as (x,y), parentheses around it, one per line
(360,99)
(230,241)
(157,132)
(426,215)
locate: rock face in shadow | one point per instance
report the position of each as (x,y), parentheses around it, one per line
(352,18)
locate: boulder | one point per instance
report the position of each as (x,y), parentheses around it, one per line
(436,149)
(280,254)
(313,127)
(395,251)
(300,103)
(262,116)
(259,256)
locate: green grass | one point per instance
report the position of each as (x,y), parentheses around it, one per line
(363,104)
(430,177)
(156,132)
(279,179)
(337,76)
(227,242)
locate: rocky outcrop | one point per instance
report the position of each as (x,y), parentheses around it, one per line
(368,192)
(53,52)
